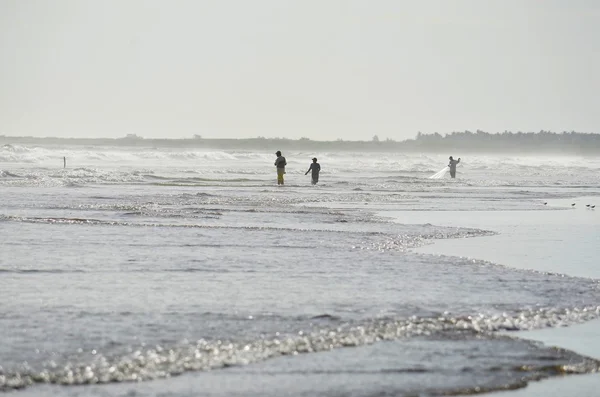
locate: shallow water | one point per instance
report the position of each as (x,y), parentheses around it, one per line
(127,267)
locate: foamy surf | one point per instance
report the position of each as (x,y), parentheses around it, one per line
(160,262)
(163,362)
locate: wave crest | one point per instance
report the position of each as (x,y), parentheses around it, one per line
(203,355)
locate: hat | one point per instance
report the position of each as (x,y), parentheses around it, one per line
(278,153)
(314,159)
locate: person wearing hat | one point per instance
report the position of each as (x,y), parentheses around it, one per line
(280,163)
(316,168)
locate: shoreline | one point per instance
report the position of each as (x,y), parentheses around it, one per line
(582,338)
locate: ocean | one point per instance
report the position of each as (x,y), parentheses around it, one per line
(180,272)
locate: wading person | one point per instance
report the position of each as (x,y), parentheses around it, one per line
(280,163)
(315,168)
(452,166)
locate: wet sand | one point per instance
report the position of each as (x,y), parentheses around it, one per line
(562,242)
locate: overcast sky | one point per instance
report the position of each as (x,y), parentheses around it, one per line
(323,69)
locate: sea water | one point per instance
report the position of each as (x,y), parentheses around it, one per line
(155,271)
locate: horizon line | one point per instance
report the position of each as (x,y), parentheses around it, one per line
(375,139)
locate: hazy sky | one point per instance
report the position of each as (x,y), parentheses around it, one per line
(323,69)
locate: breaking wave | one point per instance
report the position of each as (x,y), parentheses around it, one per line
(203,355)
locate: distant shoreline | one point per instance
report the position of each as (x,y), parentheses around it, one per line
(572,143)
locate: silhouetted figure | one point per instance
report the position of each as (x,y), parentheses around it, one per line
(280,163)
(315,168)
(452,166)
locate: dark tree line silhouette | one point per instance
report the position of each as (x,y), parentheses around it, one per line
(543,141)
(464,141)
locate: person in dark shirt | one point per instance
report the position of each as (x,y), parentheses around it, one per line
(315,168)
(280,163)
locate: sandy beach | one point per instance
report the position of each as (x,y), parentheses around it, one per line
(546,241)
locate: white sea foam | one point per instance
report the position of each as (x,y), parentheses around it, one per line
(163,362)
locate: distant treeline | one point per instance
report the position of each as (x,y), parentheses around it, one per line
(455,142)
(519,142)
